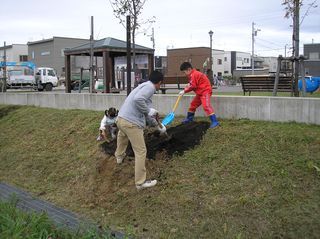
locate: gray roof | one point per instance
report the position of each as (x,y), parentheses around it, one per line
(109,43)
(53,38)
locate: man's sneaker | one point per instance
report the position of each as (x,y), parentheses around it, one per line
(120,158)
(146,184)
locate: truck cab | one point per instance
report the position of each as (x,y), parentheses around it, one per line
(47,78)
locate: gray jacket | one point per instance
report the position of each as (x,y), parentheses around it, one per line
(137,105)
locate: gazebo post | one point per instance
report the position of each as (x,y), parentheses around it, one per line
(68,73)
(107,71)
(113,75)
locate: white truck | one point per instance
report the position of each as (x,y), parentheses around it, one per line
(46,78)
(26,75)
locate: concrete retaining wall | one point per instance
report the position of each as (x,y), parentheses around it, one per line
(281,109)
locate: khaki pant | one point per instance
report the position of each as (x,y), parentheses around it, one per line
(129,131)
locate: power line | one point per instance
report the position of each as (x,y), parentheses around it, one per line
(259,39)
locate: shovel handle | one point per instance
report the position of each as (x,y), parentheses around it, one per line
(158,121)
(176,104)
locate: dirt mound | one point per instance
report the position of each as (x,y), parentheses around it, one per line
(180,138)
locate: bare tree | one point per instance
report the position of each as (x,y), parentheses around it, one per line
(123,8)
(292,8)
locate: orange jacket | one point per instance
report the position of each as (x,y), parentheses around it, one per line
(199,83)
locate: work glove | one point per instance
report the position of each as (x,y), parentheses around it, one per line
(162,129)
(152,112)
(182,93)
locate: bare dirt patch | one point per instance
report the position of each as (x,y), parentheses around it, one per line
(178,139)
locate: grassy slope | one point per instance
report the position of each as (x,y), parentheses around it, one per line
(247,179)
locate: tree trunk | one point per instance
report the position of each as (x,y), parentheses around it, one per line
(296,23)
(134,41)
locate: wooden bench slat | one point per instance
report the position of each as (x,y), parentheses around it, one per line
(265,83)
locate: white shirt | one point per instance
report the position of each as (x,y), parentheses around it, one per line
(107,121)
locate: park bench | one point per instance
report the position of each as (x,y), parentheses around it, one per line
(165,87)
(263,83)
(115,90)
(175,83)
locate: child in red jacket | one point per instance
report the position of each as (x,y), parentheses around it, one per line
(200,84)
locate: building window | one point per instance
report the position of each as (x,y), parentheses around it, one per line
(45,53)
(314,56)
(219,61)
(225,58)
(62,52)
(226,72)
(51,73)
(23,58)
(32,55)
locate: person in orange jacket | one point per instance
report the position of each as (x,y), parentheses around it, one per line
(200,84)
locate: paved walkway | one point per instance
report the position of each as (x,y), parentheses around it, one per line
(233,88)
(59,216)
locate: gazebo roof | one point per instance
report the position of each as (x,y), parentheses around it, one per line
(110,44)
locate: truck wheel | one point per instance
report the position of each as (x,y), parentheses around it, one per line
(48,87)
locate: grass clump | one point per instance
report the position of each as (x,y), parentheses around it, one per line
(15,223)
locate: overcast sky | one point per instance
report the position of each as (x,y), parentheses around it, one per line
(179,23)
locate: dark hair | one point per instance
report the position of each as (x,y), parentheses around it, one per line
(112,112)
(185,66)
(156,77)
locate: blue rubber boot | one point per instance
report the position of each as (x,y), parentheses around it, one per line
(214,121)
(189,118)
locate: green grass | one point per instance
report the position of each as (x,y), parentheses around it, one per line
(16,223)
(247,179)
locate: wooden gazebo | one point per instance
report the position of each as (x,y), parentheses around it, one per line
(108,48)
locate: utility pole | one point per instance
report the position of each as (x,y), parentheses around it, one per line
(295,39)
(252,54)
(154,47)
(254,34)
(91,59)
(128,55)
(285,58)
(210,61)
(4,82)
(152,39)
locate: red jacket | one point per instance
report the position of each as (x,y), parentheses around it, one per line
(199,83)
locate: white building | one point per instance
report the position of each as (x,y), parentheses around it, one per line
(270,62)
(14,52)
(218,63)
(225,62)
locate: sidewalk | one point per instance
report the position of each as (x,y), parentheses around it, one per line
(59,216)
